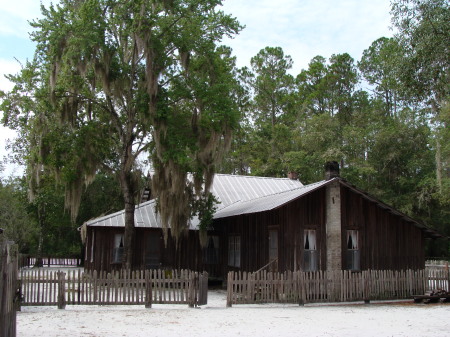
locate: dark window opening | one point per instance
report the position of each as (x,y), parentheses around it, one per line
(211,252)
(234,251)
(118,249)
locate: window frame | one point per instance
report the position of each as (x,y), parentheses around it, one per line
(117,252)
(234,251)
(353,253)
(310,255)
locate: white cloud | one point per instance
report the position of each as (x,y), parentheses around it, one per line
(308,28)
(14,16)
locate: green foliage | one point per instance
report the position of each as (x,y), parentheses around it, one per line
(112,80)
(424,33)
(389,141)
(204,208)
(102,197)
(379,66)
(18,225)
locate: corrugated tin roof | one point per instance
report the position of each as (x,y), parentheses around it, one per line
(245,195)
(228,189)
(144,216)
(268,202)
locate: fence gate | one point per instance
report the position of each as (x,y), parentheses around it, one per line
(8,286)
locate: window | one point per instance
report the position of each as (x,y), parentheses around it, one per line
(273,250)
(118,248)
(234,251)
(353,252)
(310,255)
(211,252)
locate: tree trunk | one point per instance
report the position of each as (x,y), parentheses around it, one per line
(438,165)
(41,220)
(128,195)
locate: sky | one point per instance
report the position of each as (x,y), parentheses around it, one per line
(302,28)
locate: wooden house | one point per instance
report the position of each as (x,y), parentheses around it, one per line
(272,223)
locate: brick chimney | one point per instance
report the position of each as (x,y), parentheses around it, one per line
(331,170)
(333,221)
(293,175)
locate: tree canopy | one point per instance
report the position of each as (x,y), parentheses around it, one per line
(114,82)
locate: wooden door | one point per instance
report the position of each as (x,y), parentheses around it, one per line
(273,250)
(153,250)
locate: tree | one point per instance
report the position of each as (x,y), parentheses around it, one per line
(424,34)
(378,65)
(271,109)
(342,79)
(192,133)
(312,85)
(15,219)
(110,81)
(271,84)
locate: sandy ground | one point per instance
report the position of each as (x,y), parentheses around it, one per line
(214,319)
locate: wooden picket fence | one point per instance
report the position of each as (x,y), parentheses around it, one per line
(438,277)
(309,287)
(8,283)
(45,287)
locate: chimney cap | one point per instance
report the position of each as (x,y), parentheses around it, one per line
(293,175)
(331,170)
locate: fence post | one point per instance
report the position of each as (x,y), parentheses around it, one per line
(192,286)
(229,289)
(18,295)
(448,275)
(8,278)
(366,277)
(61,290)
(148,289)
(301,287)
(203,289)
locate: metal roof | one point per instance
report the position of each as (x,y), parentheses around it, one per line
(239,195)
(268,202)
(228,189)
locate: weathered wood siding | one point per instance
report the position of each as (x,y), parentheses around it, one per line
(290,220)
(387,241)
(100,256)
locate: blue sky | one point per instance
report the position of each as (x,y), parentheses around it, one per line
(303,28)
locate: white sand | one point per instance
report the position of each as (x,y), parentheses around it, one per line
(214,319)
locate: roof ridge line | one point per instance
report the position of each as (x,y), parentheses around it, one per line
(254,177)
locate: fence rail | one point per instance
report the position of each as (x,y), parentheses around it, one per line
(44,287)
(303,287)
(27,261)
